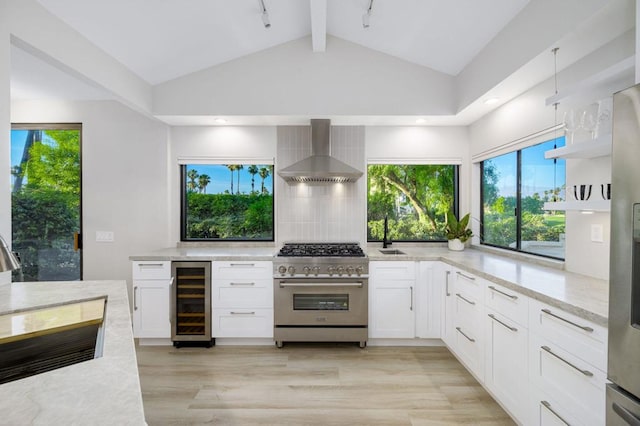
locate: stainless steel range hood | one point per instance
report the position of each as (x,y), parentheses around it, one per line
(320,166)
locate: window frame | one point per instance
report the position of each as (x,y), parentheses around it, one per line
(183,201)
(456,194)
(518,208)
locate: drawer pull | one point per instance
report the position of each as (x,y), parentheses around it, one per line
(582,327)
(493,317)
(242,313)
(470,278)
(411,300)
(548,407)
(468,338)
(625,414)
(510,296)
(465,299)
(248,265)
(135,299)
(150,265)
(243,284)
(585,372)
(447,283)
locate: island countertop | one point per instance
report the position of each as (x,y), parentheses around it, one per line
(102,391)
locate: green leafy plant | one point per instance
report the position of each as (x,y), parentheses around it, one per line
(457,229)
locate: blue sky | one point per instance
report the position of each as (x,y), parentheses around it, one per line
(221,178)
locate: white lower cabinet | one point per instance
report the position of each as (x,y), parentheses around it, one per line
(447,330)
(391,299)
(151,296)
(242,299)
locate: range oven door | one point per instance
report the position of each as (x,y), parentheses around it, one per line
(321,302)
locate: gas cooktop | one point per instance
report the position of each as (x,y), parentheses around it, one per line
(321,250)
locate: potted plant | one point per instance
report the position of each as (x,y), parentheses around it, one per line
(457,231)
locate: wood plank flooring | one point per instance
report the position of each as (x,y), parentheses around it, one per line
(311,384)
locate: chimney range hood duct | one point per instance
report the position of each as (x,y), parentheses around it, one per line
(320,166)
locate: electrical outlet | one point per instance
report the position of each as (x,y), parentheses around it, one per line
(104,236)
(597,233)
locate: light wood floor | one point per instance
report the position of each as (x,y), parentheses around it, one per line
(311,384)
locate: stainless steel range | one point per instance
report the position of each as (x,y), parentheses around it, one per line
(321,293)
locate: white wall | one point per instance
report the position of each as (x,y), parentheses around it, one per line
(124,180)
(527,114)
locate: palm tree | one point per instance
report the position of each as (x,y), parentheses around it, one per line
(264,173)
(192,175)
(231,168)
(253,171)
(238,168)
(203,181)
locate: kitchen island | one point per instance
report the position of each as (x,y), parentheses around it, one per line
(102,391)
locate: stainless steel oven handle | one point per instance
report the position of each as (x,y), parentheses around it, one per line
(625,414)
(547,405)
(325,284)
(582,327)
(550,352)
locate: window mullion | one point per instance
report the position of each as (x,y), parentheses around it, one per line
(518,212)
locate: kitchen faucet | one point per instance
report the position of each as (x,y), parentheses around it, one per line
(386,241)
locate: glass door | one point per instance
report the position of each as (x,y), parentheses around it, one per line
(46,208)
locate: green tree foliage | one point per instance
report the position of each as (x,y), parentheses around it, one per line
(416,199)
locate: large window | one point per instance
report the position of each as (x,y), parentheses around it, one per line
(227,202)
(515,187)
(414,198)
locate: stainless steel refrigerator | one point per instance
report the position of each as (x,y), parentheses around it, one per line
(623,394)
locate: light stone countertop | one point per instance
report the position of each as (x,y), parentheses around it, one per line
(584,296)
(102,391)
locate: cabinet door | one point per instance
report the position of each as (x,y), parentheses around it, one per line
(506,363)
(151,314)
(448,331)
(242,323)
(428,296)
(391,313)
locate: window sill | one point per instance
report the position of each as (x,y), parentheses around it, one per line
(531,258)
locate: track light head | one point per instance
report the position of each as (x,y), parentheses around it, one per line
(265,19)
(365,20)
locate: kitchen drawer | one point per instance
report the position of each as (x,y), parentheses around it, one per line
(546,411)
(392,270)
(468,310)
(573,383)
(509,303)
(469,284)
(242,270)
(574,334)
(236,293)
(468,346)
(151,270)
(242,323)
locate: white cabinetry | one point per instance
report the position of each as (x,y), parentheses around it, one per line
(428,297)
(568,357)
(448,331)
(391,299)
(151,295)
(506,350)
(242,299)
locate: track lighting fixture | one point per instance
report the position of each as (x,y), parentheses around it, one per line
(265,15)
(367,15)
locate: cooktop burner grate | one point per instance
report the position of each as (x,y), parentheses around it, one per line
(321,250)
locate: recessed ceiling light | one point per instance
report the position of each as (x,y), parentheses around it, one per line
(220,121)
(421,121)
(491,101)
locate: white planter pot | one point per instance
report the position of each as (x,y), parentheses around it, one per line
(456,245)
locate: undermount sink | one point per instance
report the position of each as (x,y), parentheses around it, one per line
(391,251)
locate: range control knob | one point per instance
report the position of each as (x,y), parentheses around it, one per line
(349,270)
(292,270)
(340,270)
(331,270)
(282,269)
(306,270)
(359,270)
(316,270)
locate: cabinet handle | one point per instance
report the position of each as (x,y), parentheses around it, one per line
(582,327)
(242,313)
(548,407)
(172,301)
(465,299)
(510,296)
(411,300)
(625,414)
(466,276)
(585,372)
(242,284)
(493,317)
(251,265)
(135,299)
(468,338)
(145,265)
(446,283)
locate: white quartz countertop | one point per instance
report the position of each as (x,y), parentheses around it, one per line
(581,295)
(102,391)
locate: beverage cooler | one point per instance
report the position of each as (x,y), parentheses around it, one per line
(191,304)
